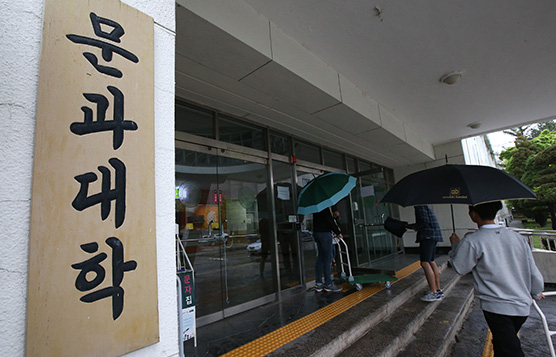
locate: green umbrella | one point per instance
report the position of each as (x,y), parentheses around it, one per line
(324,191)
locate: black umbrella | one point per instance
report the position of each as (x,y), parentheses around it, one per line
(457,184)
(396,227)
(453,184)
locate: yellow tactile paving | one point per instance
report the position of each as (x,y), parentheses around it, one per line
(488,351)
(290,332)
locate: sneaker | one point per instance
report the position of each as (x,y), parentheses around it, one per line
(333,288)
(318,288)
(439,292)
(430,297)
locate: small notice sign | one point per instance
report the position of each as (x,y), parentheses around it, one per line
(187,305)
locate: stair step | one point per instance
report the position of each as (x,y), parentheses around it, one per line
(437,335)
(392,334)
(344,330)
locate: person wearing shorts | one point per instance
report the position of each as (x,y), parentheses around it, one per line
(428,235)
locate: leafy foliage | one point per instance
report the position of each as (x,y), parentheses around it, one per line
(533,162)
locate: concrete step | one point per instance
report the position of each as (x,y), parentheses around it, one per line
(392,334)
(337,335)
(438,334)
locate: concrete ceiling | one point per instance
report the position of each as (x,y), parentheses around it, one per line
(362,76)
(396,51)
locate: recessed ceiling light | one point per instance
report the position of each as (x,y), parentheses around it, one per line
(451,78)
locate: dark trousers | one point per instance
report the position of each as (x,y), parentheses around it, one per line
(504,330)
(324,258)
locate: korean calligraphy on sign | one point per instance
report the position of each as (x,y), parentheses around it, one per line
(108,49)
(92,268)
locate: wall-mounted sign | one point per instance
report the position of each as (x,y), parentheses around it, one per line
(92,259)
(187,305)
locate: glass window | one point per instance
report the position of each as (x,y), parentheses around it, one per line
(389,176)
(280,144)
(351,165)
(232,131)
(194,121)
(333,159)
(364,166)
(307,152)
(377,173)
(373,171)
(190,159)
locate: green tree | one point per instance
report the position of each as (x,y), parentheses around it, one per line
(533,162)
(545,181)
(514,159)
(533,130)
(536,130)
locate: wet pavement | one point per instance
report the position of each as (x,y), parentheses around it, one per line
(471,339)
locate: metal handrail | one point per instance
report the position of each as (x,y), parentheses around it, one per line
(548,333)
(548,235)
(215,237)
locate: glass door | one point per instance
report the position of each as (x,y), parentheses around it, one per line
(223,225)
(285,196)
(371,239)
(309,247)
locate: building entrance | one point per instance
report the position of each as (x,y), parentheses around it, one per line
(236,207)
(223,225)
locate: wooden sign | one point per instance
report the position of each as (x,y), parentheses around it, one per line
(92,260)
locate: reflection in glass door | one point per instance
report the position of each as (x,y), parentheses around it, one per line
(286,226)
(309,247)
(372,240)
(222,219)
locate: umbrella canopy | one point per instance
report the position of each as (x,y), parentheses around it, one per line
(457,184)
(324,191)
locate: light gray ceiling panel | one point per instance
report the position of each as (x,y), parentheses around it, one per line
(279,82)
(203,42)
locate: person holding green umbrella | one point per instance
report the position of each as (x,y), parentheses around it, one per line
(323,226)
(318,197)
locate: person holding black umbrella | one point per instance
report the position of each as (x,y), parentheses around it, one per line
(505,275)
(428,235)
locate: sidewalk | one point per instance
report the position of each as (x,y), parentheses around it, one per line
(471,339)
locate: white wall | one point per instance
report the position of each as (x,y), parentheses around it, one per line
(546,261)
(20,41)
(477,152)
(163,12)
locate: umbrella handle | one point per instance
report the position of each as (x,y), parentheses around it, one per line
(453,222)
